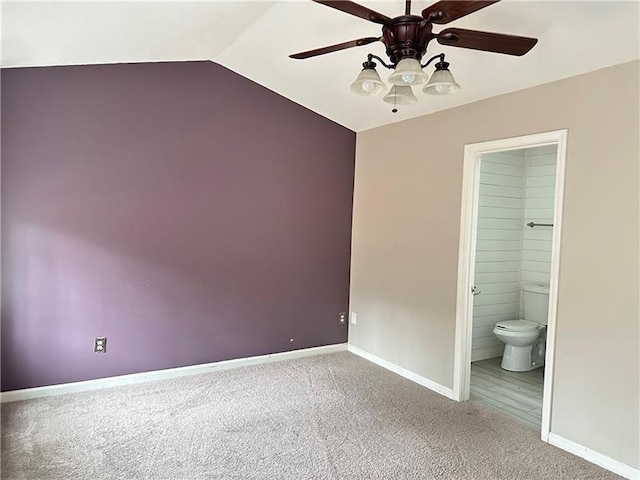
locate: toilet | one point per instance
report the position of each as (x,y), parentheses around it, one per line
(525,340)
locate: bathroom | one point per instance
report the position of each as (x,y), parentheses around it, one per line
(514,240)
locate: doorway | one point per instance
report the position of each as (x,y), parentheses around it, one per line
(501,151)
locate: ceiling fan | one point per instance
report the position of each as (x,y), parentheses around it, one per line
(408,35)
(406,39)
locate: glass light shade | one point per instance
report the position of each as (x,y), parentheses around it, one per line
(408,72)
(368,83)
(441,83)
(400,95)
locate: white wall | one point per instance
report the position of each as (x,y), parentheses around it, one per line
(538,208)
(516,187)
(498,248)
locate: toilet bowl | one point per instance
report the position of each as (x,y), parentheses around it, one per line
(525,340)
(519,336)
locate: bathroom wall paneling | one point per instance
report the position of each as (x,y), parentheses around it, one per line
(498,248)
(516,187)
(540,169)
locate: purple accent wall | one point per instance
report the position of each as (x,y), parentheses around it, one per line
(183,211)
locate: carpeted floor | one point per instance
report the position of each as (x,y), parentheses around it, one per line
(329,417)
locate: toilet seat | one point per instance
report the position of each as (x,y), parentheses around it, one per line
(517,325)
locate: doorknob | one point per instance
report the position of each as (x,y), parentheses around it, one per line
(475,290)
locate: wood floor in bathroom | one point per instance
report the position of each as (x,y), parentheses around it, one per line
(517,394)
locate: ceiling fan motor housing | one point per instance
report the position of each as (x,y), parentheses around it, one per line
(407,37)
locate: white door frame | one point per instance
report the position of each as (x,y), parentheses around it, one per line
(466,260)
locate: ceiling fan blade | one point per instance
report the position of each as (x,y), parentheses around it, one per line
(335,48)
(447,11)
(357,10)
(486,41)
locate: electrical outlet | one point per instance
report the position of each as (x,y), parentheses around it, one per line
(100,345)
(342,318)
(354,318)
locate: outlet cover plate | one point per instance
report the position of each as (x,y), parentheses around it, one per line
(342,318)
(100,345)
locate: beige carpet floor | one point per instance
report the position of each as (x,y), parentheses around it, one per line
(329,417)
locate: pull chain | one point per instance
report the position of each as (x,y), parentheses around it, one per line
(395,97)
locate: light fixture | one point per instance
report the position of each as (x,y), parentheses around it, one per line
(408,71)
(442,81)
(368,81)
(400,95)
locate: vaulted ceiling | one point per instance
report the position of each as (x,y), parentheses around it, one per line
(254,39)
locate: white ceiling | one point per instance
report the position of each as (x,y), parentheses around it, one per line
(254,39)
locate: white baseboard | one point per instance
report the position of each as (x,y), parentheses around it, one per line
(592,456)
(48,391)
(403,372)
(487,353)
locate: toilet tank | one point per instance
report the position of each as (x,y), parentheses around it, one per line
(536,302)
